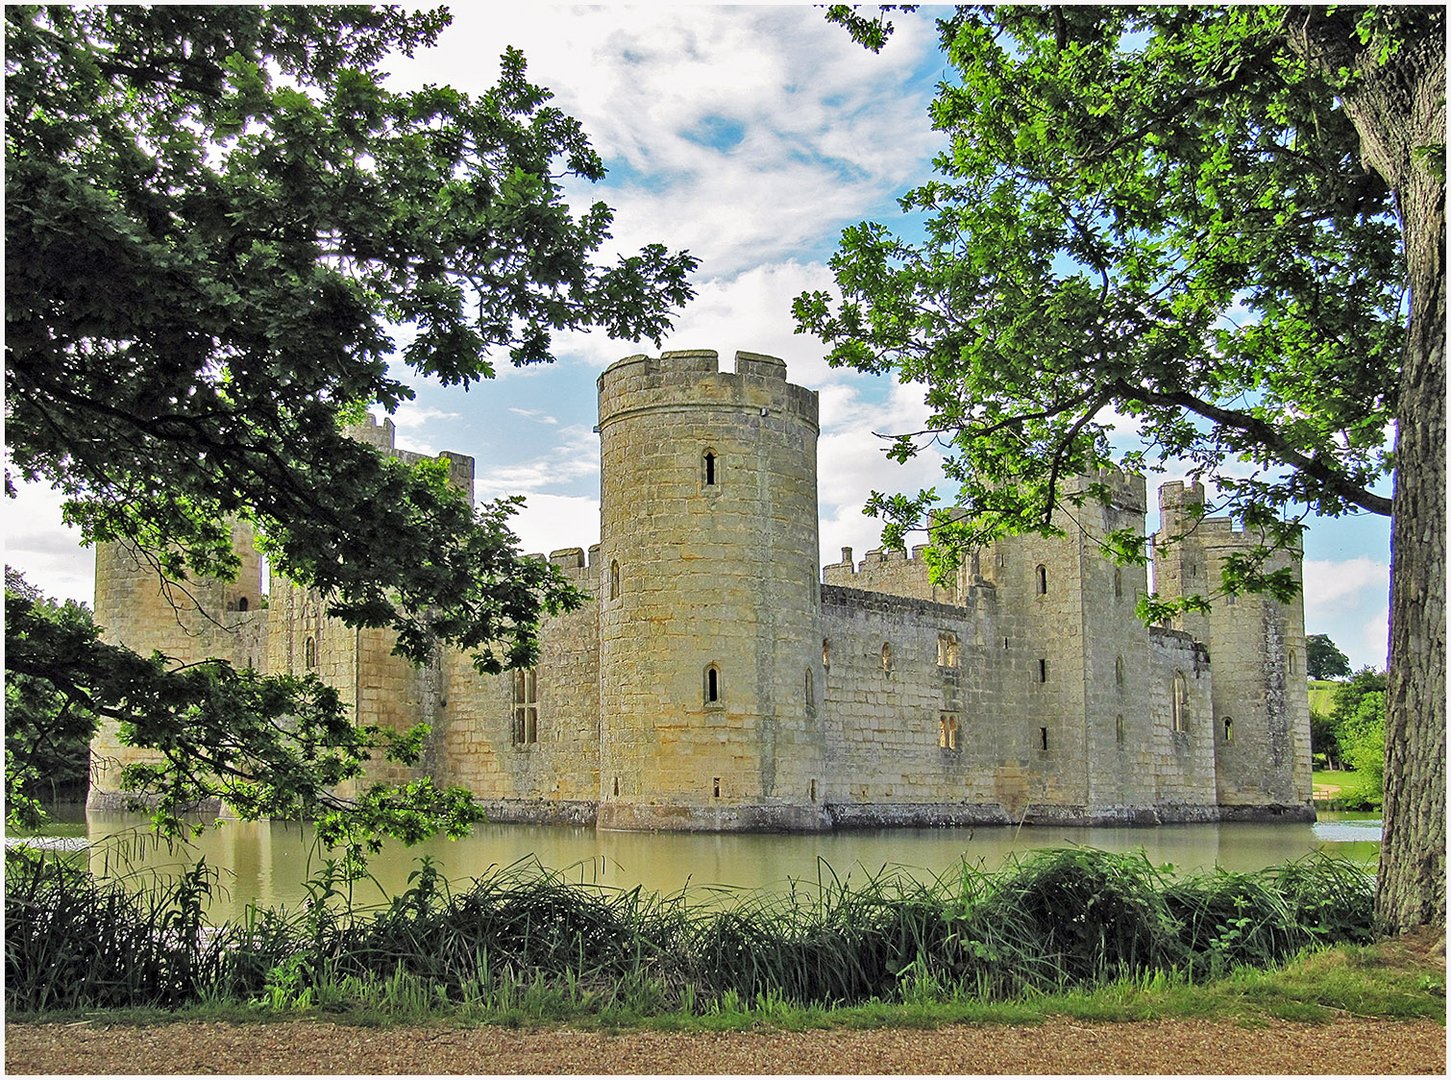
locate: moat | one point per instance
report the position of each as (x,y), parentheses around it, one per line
(271,862)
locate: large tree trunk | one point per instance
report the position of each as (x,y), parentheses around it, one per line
(1411,888)
(1398,104)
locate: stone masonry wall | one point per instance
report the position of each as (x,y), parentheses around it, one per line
(712,681)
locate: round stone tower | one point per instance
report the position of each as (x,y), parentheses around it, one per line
(710,624)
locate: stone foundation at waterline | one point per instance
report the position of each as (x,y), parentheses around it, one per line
(718,679)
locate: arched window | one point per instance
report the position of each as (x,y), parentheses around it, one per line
(614,580)
(712,685)
(1118,670)
(886,656)
(1118,584)
(242,603)
(810,688)
(1180,703)
(947,650)
(1118,729)
(309,652)
(947,731)
(526,706)
(1042,575)
(826,652)
(710,468)
(1228,730)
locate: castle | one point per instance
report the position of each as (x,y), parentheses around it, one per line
(718,679)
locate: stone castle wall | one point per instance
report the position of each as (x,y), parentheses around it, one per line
(717,679)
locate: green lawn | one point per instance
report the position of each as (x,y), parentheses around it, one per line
(1345,789)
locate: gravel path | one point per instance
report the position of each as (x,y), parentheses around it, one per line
(1056,1046)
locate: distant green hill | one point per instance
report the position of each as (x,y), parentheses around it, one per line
(1322,695)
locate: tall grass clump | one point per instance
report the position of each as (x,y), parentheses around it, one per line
(833,944)
(517,924)
(1069,917)
(74,942)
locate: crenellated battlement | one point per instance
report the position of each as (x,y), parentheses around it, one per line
(692,379)
(1128,491)
(382,434)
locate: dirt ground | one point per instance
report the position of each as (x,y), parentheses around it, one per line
(1058,1046)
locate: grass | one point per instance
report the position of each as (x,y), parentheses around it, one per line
(1322,695)
(1089,933)
(1384,981)
(1346,790)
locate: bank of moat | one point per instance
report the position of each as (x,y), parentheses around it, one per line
(717,678)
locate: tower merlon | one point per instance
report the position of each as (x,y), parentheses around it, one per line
(693,379)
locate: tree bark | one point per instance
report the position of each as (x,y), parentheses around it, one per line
(1398,105)
(1411,886)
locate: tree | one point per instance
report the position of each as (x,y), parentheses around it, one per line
(1323,660)
(1220,230)
(47,737)
(220,226)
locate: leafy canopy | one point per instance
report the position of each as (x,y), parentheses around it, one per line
(221,227)
(1324,660)
(1150,239)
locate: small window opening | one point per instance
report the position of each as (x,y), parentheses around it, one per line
(1043,738)
(1228,730)
(947,650)
(717,787)
(1005,644)
(614,580)
(526,706)
(1180,703)
(1290,655)
(947,731)
(1118,729)
(1118,584)
(1042,671)
(810,687)
(309,652)
(813,791)
(712,684)
(886,656)
(1118,670)
(617,787)
(825,652)
(1042,573)
(1230,599)
(1002,560)
(242,604)
(709,465)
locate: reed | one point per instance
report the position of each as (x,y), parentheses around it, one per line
(523,943)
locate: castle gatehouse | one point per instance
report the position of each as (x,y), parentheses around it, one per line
(718,679)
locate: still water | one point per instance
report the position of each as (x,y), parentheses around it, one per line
(269,863)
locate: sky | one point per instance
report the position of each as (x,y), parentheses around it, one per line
(750,135)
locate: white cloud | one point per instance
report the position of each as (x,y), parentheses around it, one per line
(550,522)
(411,416)
(1348,600)
(537,415)
(819,130)
(48,552)
(576,455)
(1329,583)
